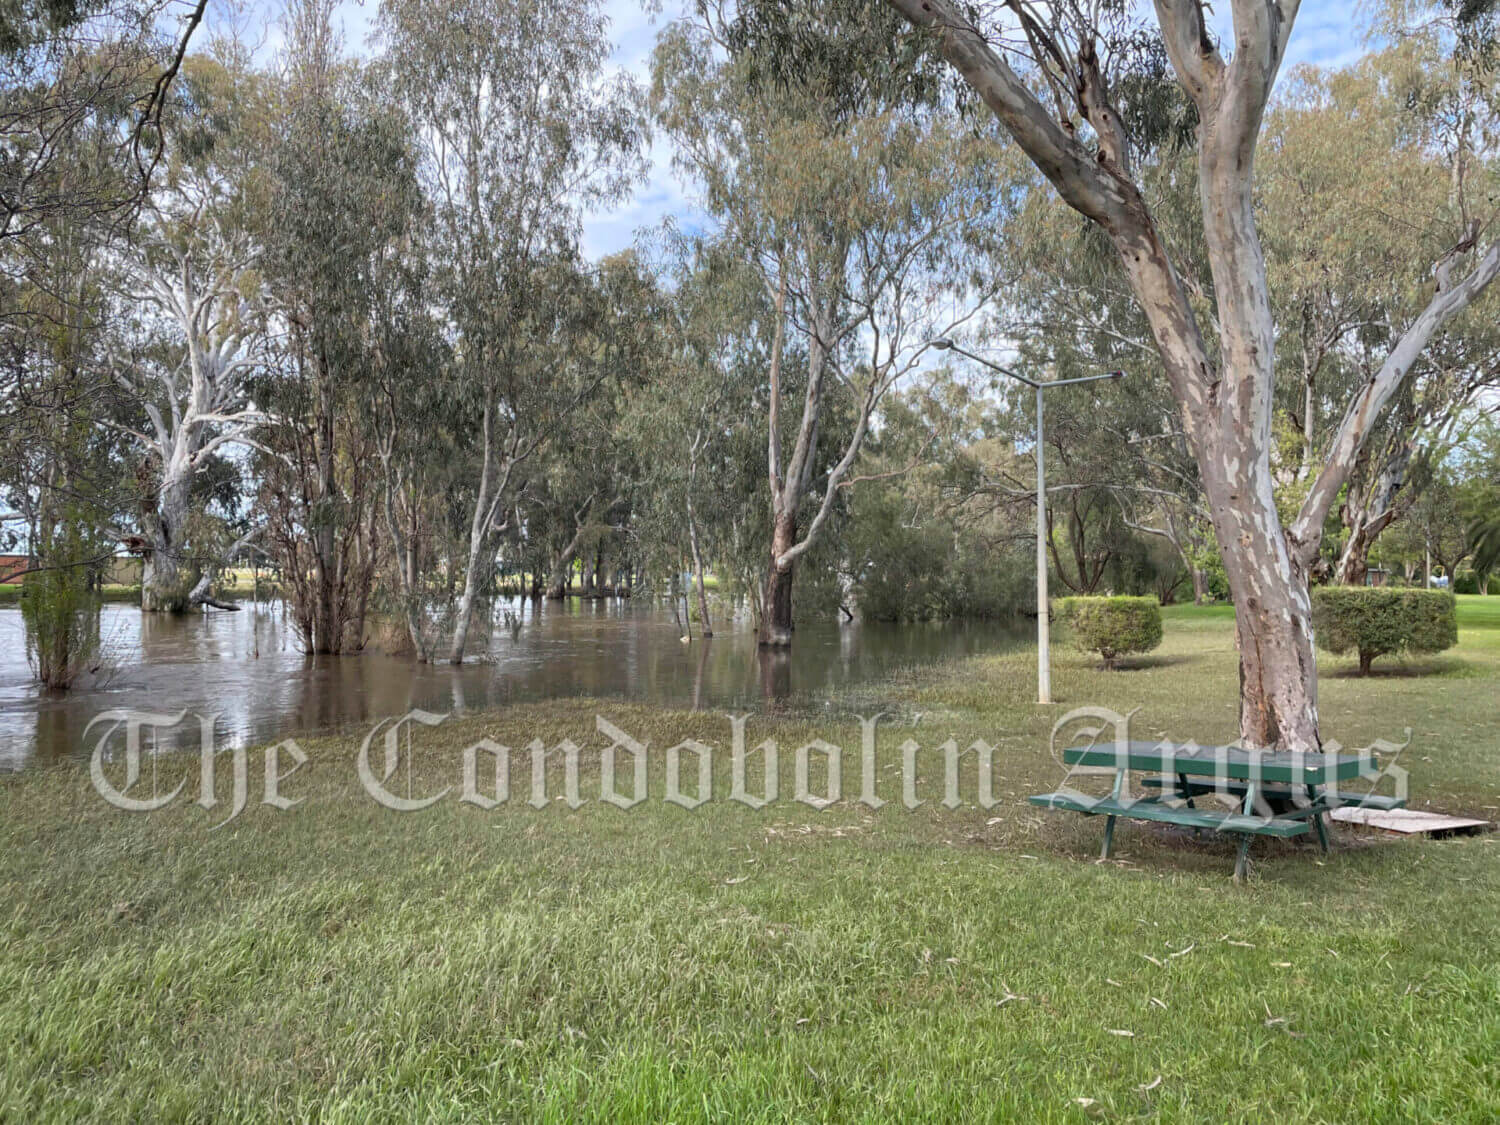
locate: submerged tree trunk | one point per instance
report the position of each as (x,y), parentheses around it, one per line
(562,574)
(165,580)
(405,546)
(472,580)
(161,578)
(171,583)
(562,569)
(776,605)
(697,552)
(497,464)
(328,625)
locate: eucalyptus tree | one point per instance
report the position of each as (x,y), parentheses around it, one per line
(815,151)
(519,132)
(1076,120)
(1348,168)
(61,471)
(410,416)
(191,325)
(331,192)
(65,484)
(924,539)
(84,91)
(1067,313)
(1356,161)
(689,425)
(578,498)
(1434,537)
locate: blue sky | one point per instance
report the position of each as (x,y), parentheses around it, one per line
(1328,32)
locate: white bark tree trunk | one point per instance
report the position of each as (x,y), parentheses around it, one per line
(164,586)
(495,472)
(195,404)
(697,555)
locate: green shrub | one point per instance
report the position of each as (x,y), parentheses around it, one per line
(1375,621)
(1466,582)
(1111,627)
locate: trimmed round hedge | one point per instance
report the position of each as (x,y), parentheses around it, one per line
(1112,627)
(1376,620)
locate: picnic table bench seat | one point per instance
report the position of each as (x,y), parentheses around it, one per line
(1295,789)
(1145,808)
(1273,793)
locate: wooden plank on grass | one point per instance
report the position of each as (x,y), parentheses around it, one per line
(1409,822)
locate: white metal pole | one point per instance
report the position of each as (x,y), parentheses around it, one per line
(1043,640)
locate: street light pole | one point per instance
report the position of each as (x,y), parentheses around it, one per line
(1043,606)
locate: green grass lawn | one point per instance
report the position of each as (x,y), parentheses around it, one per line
(109,592)
(343,962)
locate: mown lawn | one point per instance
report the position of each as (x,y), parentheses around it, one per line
(343,962)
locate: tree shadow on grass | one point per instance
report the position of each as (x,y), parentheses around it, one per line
(1141,663)
(1392,668)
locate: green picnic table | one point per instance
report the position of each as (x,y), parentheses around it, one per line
(1277,793)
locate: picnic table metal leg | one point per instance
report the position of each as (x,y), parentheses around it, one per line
(1187,791)
(1318,821)
(1242,861)
(1109,824)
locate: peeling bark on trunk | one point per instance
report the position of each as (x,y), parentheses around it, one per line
(1354,562)
(1368,511)
(1273,612)
(404,543)
(562,574)
(194,404)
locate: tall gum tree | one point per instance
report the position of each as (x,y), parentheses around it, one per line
(519,133)
(333,160)
(1068,121)
(817,152)
(195,326)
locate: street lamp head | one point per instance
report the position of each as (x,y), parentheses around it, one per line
(1117,374)
(942,344)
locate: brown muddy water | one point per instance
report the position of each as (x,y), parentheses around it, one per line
(207,663)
